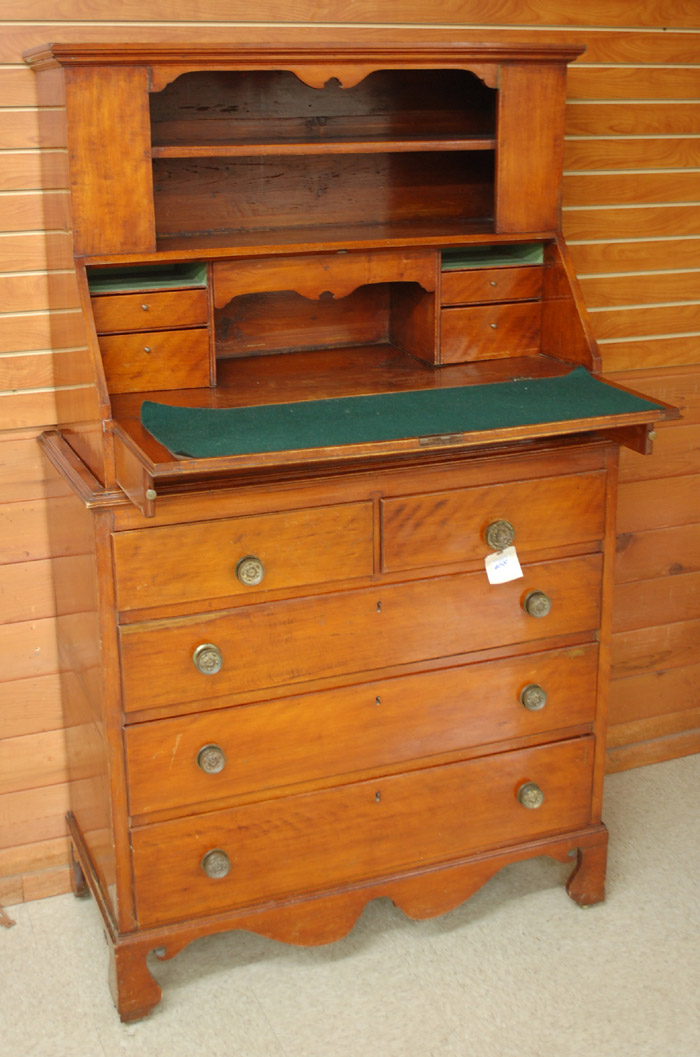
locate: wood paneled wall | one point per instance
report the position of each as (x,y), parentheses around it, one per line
(631,214)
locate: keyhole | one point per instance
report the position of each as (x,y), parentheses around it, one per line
(377,700)
(377,796)
(379,607)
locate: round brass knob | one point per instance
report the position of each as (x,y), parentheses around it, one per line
(145,307)
(207,659)
(499,535)
(533,697)
(530,795)
(250,570)
(211,759)
(537,604)
(216,864)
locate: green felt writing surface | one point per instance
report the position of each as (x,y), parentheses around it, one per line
(208,432)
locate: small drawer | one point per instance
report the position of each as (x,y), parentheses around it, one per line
(164,359)
(199,758)
(490,332)
(114,313)
(314,842)
(462,526)
(242,556)
(491,284)
(339,634)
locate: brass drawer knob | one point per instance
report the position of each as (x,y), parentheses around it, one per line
(499,535)
(216,864)
(533,697)
(530,795)
(207,659)
(537,604)
(211,759)
(250,570)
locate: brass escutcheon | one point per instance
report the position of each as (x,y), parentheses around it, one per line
(211,759)
(250,570)
(216,864)
(537,604)
(533,697)
(530,795)
(500,534)
(208,659)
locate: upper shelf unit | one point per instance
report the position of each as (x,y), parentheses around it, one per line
(273,112)
(240,151)
(246,148)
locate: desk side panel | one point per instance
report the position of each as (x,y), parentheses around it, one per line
(110,173)
(89,687)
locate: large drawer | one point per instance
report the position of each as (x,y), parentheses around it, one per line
(490,332)
(289,642)
(357,728)
(317,841)
(150,311)
(444,527)
(206,560)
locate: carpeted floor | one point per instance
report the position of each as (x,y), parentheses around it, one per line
(518,971)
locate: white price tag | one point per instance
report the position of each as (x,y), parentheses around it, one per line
(503,566)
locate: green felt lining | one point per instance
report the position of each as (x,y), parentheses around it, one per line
(492,256)
(146,277)
(206,432)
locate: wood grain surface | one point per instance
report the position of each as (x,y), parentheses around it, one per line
(629,208)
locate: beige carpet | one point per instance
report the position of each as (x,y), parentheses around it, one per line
(518,971)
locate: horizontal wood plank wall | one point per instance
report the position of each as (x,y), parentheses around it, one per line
(631,213)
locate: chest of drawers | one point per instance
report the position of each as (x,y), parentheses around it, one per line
(339,364)
(320,698)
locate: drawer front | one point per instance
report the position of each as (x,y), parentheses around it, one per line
(491,284)
(149,311)
(165,359)
(446,527)
(180,563)
(490,332)
(278,643)
(357,728)
(317,841)
(338,273)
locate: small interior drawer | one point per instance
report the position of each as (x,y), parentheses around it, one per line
(491,284)
(443,527)
(195,759)
(164,359)
(489,332)
(149,310)
(205,560)
(314,842)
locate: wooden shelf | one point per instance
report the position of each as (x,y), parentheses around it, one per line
(226,245)
(402,145)
(327,237)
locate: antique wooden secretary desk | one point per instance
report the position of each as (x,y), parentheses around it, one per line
(338,363)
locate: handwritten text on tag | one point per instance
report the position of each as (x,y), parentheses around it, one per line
(503,566)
